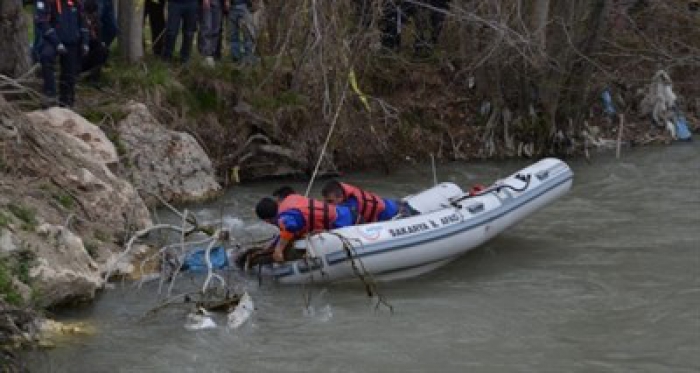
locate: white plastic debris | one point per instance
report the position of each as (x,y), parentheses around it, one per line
(200,319)
(242,312)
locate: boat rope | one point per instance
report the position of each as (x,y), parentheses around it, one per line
(328,140)
(497,188)
(365,276)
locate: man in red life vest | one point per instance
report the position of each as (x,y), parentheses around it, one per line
(296,216)
(368,207)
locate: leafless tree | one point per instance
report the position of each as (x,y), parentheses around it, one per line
(131,29)
(14,60)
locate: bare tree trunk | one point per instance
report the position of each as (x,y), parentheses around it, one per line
(13,32)
(540,18)
(131,26)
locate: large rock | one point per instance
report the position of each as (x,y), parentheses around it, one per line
(75,157)
(90,137)
(164,162)
(64,271)
(60,178)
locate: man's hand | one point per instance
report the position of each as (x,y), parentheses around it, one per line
(206,4)
(86,49)
(278,255)
(61,49)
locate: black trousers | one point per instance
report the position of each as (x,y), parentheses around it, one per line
(428,22)
(95,59)
(180,14)
(154,12)
(69,63)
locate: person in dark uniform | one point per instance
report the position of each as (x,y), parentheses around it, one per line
(428,18)
(154,11)
(395,13)
(429,21)
(108,22)
(63,35)
(95,59)
(180,12)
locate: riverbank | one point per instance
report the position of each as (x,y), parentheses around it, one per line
(70,198)
(251,132)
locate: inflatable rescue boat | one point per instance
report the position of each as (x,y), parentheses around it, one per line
(449,223)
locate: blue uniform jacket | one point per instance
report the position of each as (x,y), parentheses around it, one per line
(60,21)
(293,221)
(391,208)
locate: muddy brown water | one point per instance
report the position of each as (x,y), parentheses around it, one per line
(604,280)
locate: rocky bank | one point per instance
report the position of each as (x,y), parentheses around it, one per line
(70,196)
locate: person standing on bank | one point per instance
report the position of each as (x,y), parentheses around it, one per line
(154,12)
(63,35)
(180,12)
(242,31)
(210,21)
(96,58)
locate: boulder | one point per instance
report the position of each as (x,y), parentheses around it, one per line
(163,162)
(8,242)
(63,270)
(61,177)
(76,155)
(90,137)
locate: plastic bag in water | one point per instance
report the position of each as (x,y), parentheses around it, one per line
(196,262)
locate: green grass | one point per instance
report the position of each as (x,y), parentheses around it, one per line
(5,220)
(91,247)
(29,17)
(284,99)
(101,235)
(24,264)
(26,214)
(65,200)
(150,73)
(7,289)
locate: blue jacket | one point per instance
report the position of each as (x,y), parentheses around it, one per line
(391,208)
(293,221)
(61,21)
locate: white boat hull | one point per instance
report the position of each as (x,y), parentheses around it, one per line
(418,244)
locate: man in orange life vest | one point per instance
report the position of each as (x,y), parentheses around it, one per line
(368,207)
(296,216)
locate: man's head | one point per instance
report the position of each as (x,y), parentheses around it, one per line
(333,192)
(266,209)
(282,193)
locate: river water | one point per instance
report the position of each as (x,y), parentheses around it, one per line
(606,279)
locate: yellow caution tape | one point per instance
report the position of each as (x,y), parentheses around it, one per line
(355,87)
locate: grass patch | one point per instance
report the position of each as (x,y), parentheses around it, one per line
(7,289)
(24,264)
(91,247)
(26,214)
(101,235)
(119,145)
(5,220)
(65,200)
(134,77)
(284,99)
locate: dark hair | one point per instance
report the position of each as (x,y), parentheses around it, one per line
(266,208)
(90,6)
(282,192)
(332,187)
